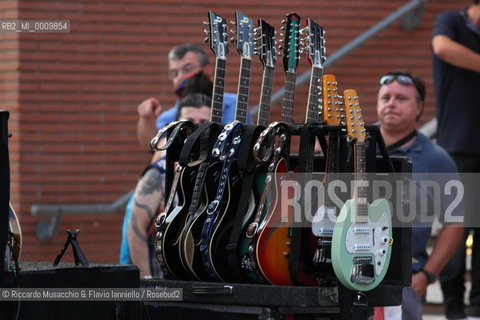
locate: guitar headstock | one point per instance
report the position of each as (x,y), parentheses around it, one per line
(265,43)
(355,125)
(217,35)
(291,47)
(314,43)
(333,111)
(244,35)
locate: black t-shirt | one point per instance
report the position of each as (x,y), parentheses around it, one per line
(457,89)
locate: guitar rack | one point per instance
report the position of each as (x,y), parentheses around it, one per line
(214,300)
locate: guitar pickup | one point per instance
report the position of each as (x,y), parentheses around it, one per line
(363,270)
(362,247)
(362,230)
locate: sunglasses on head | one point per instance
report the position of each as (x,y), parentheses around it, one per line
(405,80)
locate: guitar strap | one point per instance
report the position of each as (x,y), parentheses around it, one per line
(207,133)
(226,150)
(248,168)
(299,241)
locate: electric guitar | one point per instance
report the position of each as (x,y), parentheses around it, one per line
(222,210)
(264,249)
(299,239)
(265,48)
(326,215)
(208,172)
(167,222)
(362,237)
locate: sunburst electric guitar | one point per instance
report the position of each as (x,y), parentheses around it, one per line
(362,236)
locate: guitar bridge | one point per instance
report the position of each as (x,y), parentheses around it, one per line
(363,270)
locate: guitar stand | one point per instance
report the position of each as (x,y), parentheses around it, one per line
(214,300)
(77,251)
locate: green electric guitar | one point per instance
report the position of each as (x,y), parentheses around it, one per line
(362,236)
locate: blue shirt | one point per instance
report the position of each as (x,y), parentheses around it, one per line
(429,162)
(229,108)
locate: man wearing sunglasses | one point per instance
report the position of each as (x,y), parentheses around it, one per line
(456,69)
(400,103)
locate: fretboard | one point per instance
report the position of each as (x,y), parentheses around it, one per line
(360,182)
(243,88)
(265,97)
(315,102)
(289,97)
(218,89)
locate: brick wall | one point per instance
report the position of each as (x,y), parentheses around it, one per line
(73,96)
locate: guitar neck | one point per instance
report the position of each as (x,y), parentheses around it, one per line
(218,89)
(360,191)
(265,96)
(315,103)
(331,163)
(243,89)
(289,97)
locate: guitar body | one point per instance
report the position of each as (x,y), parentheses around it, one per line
(174,223)
(169,229)
(248,273)
(191,235)
(361,250)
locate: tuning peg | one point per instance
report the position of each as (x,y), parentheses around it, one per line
(206,39)
(284,21)
(282,28)
(206,31)
(206,23)
(233,40)
(232,22)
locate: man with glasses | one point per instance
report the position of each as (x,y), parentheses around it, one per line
(456,70)
(183,61)
(400,103)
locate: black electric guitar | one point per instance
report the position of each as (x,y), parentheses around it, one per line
(221,211)
(208,172)
(167,221)
(265,43)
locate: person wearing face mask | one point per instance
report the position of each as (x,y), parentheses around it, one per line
(400,103)
(184,61)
